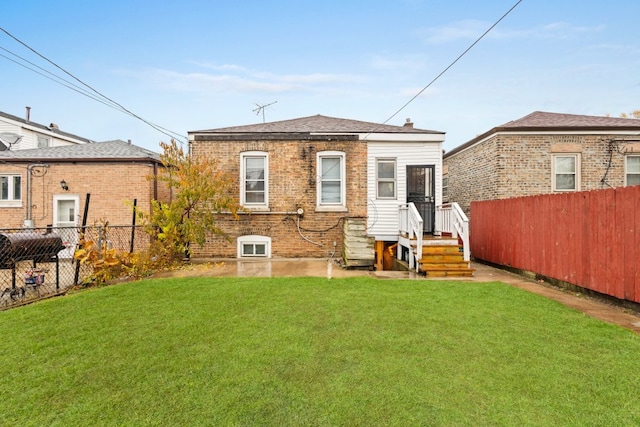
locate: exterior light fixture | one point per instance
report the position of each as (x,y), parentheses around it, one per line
(64,185)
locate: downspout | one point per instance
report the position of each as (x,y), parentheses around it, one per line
(28,221)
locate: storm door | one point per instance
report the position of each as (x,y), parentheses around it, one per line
(421,191)
(65,219)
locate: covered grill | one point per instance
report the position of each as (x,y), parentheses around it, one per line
(29,246)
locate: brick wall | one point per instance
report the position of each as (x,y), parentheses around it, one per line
(473,174)
(506,166)
(292,185)
(113,187)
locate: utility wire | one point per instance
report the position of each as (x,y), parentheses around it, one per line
(169,133)
(54,78)
(453,63)
(70,85)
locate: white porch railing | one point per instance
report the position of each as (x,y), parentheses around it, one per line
(451,219)
(411,227)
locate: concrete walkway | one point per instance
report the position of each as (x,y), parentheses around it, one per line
(594,307)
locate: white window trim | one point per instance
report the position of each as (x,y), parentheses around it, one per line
(331,207)
(254,206)
(394,179)
(11,202)
(626,173)
(445,188)
(254,239)
(576,156)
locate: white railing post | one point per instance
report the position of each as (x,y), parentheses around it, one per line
(411,224)
(454,221)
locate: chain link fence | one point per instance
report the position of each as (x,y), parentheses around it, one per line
(38,263)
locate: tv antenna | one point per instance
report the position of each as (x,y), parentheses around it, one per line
(261,109)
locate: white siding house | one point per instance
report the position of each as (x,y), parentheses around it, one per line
(22,134)
(399,151)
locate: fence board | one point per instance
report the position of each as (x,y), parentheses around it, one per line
(589,239)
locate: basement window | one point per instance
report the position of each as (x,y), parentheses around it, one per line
(254,246)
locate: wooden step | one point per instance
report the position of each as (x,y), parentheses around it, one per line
(441,257)
(453,265)
(450,273)
(449,249)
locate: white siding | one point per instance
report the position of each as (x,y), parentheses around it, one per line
(30,135)
(383,213)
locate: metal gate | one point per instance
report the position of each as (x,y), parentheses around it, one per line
(421,192)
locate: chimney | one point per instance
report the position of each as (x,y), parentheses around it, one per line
(28,115)
(408,123)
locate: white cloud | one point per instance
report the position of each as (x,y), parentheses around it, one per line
(230,78)
(472,29)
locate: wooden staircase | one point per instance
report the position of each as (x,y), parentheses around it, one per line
(443,257)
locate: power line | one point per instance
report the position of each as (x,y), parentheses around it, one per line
(452,63)
(167,132)
(54,78)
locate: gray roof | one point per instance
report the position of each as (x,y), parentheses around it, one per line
(49,128)
(98,151)
(315,124)
(543,120)
(540,121)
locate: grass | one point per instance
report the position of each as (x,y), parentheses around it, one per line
(308,351)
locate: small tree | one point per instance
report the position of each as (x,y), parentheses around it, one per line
(632,115)
(200,191)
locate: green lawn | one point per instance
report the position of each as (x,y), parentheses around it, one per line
(309,351)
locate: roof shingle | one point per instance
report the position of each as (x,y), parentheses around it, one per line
(315,124)
(110,150)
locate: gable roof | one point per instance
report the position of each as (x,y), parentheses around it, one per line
(50,128)
(540,121)
(117,150)
(317,124)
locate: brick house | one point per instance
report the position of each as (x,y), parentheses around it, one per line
(317,186)
(49,186)
(544,153)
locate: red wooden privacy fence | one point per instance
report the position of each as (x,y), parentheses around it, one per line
(589,239)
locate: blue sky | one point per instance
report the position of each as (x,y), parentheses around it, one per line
(194,65)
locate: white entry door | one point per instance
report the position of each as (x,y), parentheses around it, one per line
(65,214)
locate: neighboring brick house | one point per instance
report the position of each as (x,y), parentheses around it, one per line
(48,186)
(307,183)
(22,134)
(544,153)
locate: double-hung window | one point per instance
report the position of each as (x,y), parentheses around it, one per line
(566,172)
(331,180)
(10,188)
(254,172)
(386,178)
(632,170)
